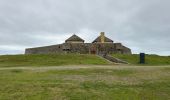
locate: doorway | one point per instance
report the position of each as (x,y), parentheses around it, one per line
(93,49)
(93,52)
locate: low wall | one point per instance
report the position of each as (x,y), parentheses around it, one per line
(44,50)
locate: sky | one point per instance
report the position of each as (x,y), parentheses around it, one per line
(142,25)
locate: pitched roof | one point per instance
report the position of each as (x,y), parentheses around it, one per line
(75,38)
(105,40)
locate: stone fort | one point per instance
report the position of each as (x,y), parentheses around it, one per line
(75,44)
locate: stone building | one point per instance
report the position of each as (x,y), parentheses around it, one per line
(75,44)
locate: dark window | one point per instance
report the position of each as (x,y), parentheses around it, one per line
(66,49)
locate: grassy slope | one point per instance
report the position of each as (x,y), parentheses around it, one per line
(49,60)
(149,83)
(150,59)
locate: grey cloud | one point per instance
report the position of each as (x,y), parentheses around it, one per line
(143,26)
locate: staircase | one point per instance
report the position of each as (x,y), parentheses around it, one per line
(112,59)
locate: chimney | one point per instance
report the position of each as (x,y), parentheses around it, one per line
(102,37)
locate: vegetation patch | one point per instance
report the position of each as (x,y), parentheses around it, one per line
(50,60)
(118,72)
(16,71)
(138,83)
(150,59)
(75,59)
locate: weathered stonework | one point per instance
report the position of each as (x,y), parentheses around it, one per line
(76,45)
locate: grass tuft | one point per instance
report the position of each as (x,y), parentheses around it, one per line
(16,71)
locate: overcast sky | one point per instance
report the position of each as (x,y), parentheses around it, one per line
(142,25)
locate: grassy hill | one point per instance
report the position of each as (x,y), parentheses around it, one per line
(150,59)
(74,59)
(50,60)
(107,83)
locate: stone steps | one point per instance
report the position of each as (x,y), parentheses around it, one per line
(112,59)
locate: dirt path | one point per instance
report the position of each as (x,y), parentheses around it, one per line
(71,67)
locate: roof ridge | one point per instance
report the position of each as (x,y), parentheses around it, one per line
(74,37)
(98,39)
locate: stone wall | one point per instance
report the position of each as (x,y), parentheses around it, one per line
(82,48)
(44,50)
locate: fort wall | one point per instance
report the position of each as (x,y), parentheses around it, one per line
(81,48)
(75,44)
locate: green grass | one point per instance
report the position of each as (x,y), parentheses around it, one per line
(138,83)
(89,83)
(50,60)
(150,59)
(74,59)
